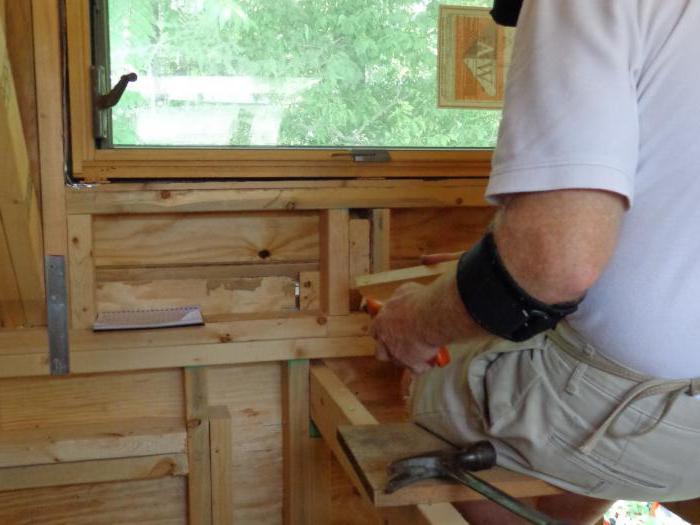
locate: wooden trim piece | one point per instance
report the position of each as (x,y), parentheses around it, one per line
(335,262)
(49,80)
(221,447)
(198,447)
(380,240)
(333,404)
(92,441)
(99,471)
(374,194)
(81,271)
(318,481)
(295,429)
(382,285)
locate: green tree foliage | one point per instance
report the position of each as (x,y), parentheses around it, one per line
(370,66)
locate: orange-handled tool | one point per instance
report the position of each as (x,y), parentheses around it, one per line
(441,359)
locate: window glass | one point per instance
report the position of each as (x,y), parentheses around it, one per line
(285,73)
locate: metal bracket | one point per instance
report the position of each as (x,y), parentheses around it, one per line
(366,155)
(57,314)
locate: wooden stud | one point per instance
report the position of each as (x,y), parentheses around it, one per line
(309,291)
(335,266)
(318,481)
(220,446)
(382,285)
(295,424)
(381,240)
(99,471)
(198,447)
(359,257)
(49,80)
(81,271)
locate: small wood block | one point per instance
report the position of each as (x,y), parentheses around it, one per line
(381,285)
(372,448)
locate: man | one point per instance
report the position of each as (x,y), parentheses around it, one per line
(597,177)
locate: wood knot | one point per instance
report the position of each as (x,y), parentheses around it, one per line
(321,320)
(193,423)
(459,201)
(165,194)
(225,338)
(264,254)
(291,206)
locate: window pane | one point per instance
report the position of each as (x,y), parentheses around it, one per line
(288,73)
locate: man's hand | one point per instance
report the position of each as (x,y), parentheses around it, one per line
(400,329)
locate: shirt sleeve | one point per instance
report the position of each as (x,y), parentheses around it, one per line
(570,117)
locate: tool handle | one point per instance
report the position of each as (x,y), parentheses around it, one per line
(441,359)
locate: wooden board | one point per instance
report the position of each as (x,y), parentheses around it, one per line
(150,502)
(372,448)
(381,285)
(264,237)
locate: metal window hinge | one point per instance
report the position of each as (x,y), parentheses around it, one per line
(366,155)
(103,99)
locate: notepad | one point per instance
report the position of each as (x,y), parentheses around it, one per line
(148,318)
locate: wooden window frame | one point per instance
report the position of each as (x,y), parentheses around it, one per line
(91,164)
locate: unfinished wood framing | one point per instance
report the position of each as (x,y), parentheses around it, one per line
(81,267)
(198,447)
(380,238)
(19,206)
(220,448)
(335,264)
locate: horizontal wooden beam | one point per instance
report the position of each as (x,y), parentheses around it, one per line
(98,471)
(333,404)
(255,339)
(85,442)
(399,194)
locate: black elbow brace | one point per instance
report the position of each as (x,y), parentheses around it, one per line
(496,302)
(506,12)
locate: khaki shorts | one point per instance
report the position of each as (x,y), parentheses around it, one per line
(540,407)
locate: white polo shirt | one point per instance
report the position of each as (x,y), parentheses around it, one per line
(605,94)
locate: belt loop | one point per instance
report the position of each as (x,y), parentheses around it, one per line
(572,384)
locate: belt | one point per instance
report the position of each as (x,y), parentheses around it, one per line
(646,385)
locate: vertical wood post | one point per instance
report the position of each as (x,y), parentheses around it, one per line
(335,265)
(381,240)
(81,271)
(198,447)
(220,442)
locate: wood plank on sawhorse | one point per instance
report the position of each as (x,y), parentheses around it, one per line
(372,448)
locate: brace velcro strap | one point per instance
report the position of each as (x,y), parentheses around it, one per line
(506,12)
(496,302)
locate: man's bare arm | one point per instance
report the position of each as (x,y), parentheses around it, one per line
(555,245)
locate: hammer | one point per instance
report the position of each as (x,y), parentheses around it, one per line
(457,465)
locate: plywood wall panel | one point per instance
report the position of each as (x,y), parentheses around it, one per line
(151,502)
(415,231)
(252,393)
(43,402)
(212,238)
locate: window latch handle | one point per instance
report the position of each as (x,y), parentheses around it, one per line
(112,97)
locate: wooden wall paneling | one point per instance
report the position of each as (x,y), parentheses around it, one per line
(147,502)
(253,396)
(19,201)
(216,297)
(221,449)
(20,46)
(199,493)
(380,238)
(47,403)
(49,82)
(212,238)
(11,306)
(335,265)
(415,232)
(81,269)
(295,425)
(97,471)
